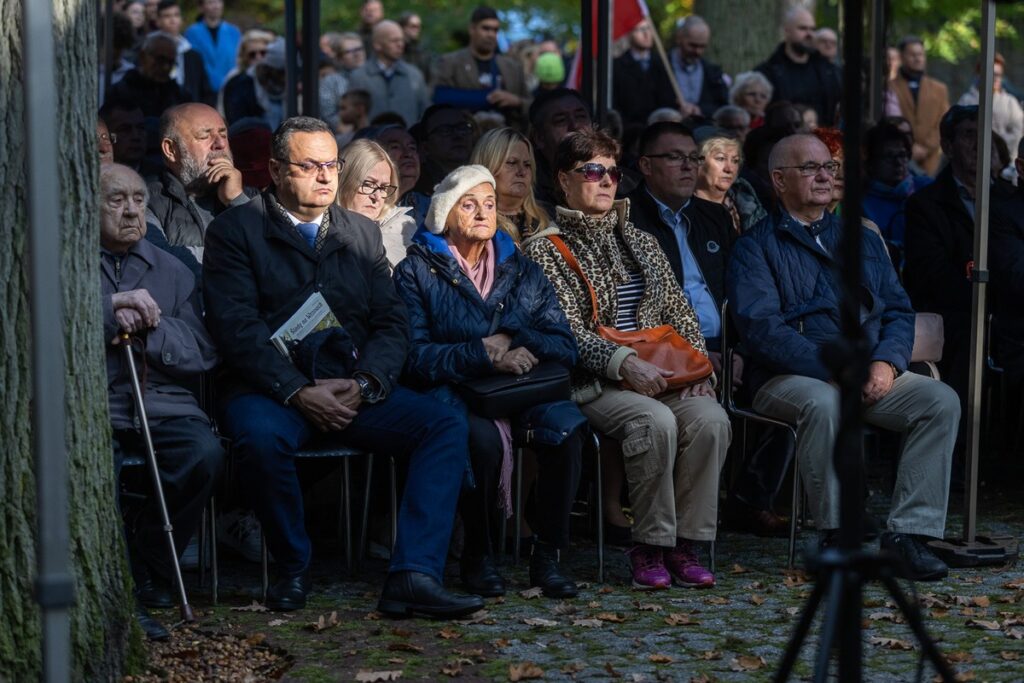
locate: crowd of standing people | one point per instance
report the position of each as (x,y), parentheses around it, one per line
(466,220)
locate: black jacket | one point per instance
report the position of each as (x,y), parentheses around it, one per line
(258,271)
(152,97)
(1006,262)
(177,215)
(817,83)
(714,91)
(710,237)
(197,84)
(636,93)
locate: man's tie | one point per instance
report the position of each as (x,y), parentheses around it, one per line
(309,231)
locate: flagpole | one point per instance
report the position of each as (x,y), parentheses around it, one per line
(668,65)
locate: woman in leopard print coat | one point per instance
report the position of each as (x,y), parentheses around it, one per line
(673,444)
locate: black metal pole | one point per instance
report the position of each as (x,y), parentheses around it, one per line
(311,57)
(586,50)
(878,64)
(108,47)
(291,97)
(849,455)
(54,587)
(604,44)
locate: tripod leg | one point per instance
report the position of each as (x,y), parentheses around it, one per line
(828,627)
(802,627)
(916,623)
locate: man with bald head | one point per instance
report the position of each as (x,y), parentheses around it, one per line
(199,179)
(784,294)
(150,295)
(702,83)
(799,73)
(394,85)
(826,42)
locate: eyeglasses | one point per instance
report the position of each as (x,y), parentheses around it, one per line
(253,54)
(109,137)
(313,168)
(368,187)
(353,50)
(897,158)
(452,129)
(593,173)
(677,159)
(812,168)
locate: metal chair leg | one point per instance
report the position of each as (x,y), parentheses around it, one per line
(600,509)
(346,483)
(394,504)
(264,562)
(202,547)
(794,512)
(361,552)
(711,552)
(214,575)
(518,512)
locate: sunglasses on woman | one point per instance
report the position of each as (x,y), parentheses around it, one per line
(593,173)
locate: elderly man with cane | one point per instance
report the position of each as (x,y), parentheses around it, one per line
(149,303)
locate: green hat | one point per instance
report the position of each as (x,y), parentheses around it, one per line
(550,68)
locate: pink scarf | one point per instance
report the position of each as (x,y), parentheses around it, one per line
(482,277)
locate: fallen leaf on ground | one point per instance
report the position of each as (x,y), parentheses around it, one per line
(448,634)
(717,600)
(981,601)
(399,632)
(1008,656)
(539,621)
(565,608)
(891,643)
(588,623)
(793,611)
(452,669)
(531,593)
(940,613)
(501,643)
(739,569)
(404,647)
(795,578)
(605,590)
(611,670)
(477,617)
(886,615)
(661,659)
(396,660)
(374,676)
(648,606)
(680,619)
(611,616)
(372,616)
(960,657)
(756,599)
(984,624)
(573,668)
(253,607)
(1015,585)
(277,622)
(524,671)
(324,622)
(703,678)
(1015,633)
(710,655)
(747,663)
(593,604)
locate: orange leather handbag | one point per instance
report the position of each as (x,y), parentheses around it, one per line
(661,346)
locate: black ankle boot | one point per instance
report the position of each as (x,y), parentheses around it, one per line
(480,577)
(546,572)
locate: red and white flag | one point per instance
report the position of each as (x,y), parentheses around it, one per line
(627,14)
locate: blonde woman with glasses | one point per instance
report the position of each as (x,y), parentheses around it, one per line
(508,155)
(368,185)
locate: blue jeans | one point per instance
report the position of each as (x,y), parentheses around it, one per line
(265,435)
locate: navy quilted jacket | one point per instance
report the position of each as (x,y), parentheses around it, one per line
(449,318)
(784,294)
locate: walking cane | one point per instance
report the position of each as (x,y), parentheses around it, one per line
(140,408)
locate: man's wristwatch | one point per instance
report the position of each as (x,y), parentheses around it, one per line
(369,390)
(895,370)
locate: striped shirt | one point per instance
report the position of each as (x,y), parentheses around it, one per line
(628,296)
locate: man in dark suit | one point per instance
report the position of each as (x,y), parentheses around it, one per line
(701,82)
(641,83)
(263,261)
(477,77)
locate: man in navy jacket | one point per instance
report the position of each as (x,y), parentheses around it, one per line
(785,295)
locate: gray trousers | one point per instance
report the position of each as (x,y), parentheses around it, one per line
(925,411)
(673,451)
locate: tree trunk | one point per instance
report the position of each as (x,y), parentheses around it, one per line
(103,631)
(744,33)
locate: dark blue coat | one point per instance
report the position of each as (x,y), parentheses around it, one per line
(784,295)
(449,318)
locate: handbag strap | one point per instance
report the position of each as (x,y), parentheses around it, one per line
(563,249)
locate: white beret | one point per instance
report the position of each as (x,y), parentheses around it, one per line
(450,190)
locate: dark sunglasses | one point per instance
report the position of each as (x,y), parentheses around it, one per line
(257,53)
(592,173)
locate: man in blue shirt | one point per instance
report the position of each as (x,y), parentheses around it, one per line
(215,40)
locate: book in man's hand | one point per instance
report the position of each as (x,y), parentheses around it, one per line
(313,315)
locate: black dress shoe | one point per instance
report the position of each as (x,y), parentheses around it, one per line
(153,591)
(917,561)
(748,519)
(481,577)
(153,629)
(287,594)
(407,594)
(546,573)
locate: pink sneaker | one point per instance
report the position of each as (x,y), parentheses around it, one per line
(648,567)
(685,568)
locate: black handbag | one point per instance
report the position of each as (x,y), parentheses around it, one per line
(504,395)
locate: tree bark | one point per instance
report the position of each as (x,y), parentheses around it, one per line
(744,33)
(103,630)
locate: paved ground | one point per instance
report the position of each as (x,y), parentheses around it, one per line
(735,632)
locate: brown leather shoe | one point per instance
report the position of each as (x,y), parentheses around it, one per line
(764,523)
